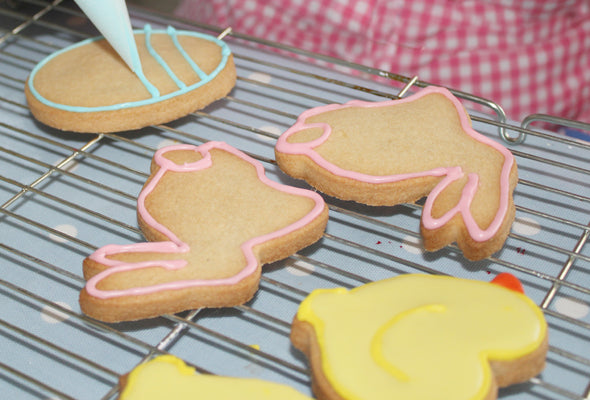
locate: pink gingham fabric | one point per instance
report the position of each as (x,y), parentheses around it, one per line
(530,56)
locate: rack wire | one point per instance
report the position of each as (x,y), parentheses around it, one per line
(63,195)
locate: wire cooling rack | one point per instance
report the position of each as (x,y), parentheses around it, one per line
(63,195)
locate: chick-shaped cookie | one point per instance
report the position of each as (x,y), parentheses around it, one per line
(397,151)
(167,377)
(212,218)
(420,337)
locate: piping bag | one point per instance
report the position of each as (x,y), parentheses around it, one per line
(111,18)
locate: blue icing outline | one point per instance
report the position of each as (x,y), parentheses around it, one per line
(225,52)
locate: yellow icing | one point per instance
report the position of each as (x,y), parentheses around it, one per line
(167,377)
(420,336)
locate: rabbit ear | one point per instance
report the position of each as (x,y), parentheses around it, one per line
(114,256)
(110,261)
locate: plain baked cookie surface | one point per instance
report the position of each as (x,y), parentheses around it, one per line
(420,337)
(87,87)
(398,151)
(212,219)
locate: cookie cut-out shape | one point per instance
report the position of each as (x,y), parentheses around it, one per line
(87,87)
(398,151)
(212,219)
(420,337)
(167,377)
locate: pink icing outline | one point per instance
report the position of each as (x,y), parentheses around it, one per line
(452,173)
(175,245)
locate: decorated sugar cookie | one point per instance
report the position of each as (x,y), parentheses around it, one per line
(168,377)
(391,152)
(87,87)
(420,337)
(212,219)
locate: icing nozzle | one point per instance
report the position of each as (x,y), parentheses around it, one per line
(111,18)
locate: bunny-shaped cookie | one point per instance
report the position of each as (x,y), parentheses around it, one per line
(396,151)
(212,219)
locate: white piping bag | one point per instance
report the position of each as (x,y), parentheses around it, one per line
(111,18)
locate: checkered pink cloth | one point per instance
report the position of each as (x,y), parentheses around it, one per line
(530,56)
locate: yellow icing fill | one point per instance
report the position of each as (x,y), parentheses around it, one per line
(167,377)
(420,336)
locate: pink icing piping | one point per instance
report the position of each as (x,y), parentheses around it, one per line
(175,245)
(452,173)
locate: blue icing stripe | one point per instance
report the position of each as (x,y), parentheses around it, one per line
(153,91)
(156,97)
(148,44)
(194,66)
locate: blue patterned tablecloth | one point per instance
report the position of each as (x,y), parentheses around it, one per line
(52,219)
